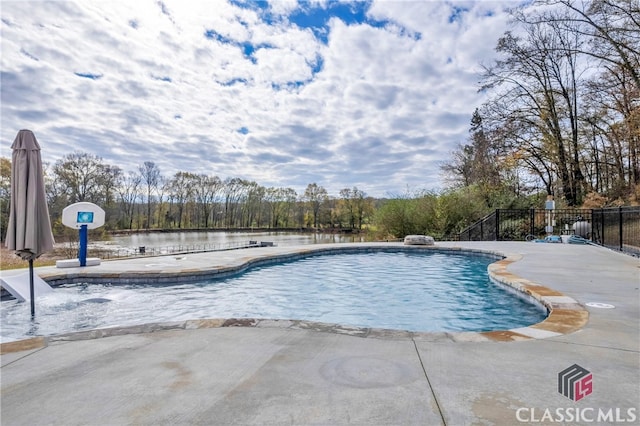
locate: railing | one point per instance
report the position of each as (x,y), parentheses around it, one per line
(615,228)
(482,230)
(120,253)
(523,224)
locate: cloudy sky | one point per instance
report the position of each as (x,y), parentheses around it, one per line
(372,94)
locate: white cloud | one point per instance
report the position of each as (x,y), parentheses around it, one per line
(141,81)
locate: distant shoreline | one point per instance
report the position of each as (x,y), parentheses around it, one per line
(300,230)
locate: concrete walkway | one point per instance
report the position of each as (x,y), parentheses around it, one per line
(294,372)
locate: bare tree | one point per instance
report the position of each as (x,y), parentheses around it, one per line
(128,192)
(150,174)
(206,190)
(234,194)
(611,26)
(84,177)
(5,194)
(537,77)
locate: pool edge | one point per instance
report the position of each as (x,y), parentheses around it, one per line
(565,315)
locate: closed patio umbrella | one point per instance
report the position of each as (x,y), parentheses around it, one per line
(29,230)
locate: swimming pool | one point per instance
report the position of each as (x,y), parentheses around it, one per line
(407,290)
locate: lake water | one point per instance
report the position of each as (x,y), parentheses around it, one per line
(158,239)
(218,239)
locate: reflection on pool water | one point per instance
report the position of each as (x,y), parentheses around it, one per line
(397,290)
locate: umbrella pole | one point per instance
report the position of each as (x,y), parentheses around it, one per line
(33,301)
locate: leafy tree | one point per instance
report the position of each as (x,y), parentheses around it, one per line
(396,217)
(476,162)
(252,207)
(315,196)
(281,202)
(180,191)
(356,206)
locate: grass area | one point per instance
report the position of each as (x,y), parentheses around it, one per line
(9,260)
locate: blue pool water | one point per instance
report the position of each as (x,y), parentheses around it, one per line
(396,290)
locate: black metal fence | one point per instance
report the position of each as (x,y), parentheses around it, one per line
(616,228)
(107,253)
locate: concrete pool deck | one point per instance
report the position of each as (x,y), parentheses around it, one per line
(294,372)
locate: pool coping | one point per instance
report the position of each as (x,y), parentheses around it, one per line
(565,314)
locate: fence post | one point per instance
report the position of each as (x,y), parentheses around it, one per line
(532,220)
(497,225)
(620,227)
(602,214)
(481,230)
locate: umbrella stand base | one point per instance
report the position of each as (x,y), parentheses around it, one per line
(75,263)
